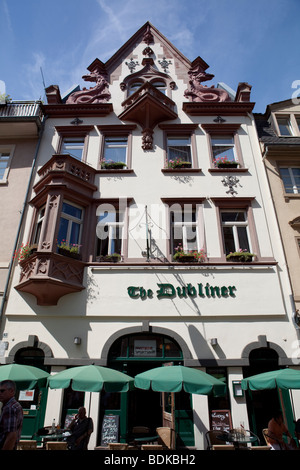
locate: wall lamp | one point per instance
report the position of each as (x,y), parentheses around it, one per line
(214,341)
(77,340)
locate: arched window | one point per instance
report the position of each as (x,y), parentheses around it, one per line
(160,85)
(134,87)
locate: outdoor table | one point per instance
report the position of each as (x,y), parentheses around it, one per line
(58,436)
(237,439)
(138,441)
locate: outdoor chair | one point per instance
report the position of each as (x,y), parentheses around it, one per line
(152,447)
(27,445)
(266,437)
(54,445)
(212,439)
(117,446)
(260,448)
(165,436)
(222,447)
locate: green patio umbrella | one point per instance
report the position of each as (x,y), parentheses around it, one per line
(176,378)
(25,377)
(284,379)
(91,378)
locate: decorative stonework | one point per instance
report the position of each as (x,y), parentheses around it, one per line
(148,36)
(49,277)
(96,94)
(201,93)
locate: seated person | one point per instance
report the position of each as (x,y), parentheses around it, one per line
(276,429)
(81,428)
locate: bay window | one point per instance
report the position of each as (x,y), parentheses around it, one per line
(70,224)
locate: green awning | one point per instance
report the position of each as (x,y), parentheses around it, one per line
(91,378)
(25,377)
(282,378)
(176,378)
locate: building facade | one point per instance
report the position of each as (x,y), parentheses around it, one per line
(149,187)
(278,131)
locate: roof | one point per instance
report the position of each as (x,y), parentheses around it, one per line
(267,135)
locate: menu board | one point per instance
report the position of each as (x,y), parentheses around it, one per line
(110,429)
(220,420)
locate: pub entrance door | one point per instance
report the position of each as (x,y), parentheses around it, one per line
(134,354)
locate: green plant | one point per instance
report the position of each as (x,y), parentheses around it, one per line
(25,251)
(65,245)
(178,163)
(111,164)
(224,161)
(242,255)
(200,256)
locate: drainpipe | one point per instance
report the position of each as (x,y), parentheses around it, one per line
(4,298)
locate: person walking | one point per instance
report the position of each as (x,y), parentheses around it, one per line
(11,418)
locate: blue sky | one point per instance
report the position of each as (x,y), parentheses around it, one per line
(256,41)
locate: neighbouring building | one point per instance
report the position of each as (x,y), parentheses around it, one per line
(135,173)
(279,135)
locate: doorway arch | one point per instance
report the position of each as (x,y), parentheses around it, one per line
(136,352)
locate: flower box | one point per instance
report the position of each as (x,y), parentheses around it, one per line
(186,259)
(111,165)
(177,163)
(114,258)
(227,165)
(70,254)
(240,257)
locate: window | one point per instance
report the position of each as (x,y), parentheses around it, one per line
(134,87)
(184,230)
(73,140)
(179,149)
(115,149)
(109,231)
(38,226)
(291,179)
(298,123)
(235,230)
(70,224)
(284,125)
(5,158)
(160,85)
(223,147)
(74,147)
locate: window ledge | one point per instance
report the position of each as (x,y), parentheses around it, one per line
(103,171)
(232,170)
(181,170)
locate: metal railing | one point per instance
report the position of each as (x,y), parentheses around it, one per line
(21,109)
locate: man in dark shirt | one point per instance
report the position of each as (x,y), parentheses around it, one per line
(11,418)
(81,428)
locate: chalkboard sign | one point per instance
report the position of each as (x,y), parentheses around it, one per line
(220,420)
(110,429)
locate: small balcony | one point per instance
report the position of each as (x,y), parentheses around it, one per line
(49,276)
(148,107)
(20,118)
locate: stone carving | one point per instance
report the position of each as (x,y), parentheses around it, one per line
(202,93)
(96,94)
(147,139)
